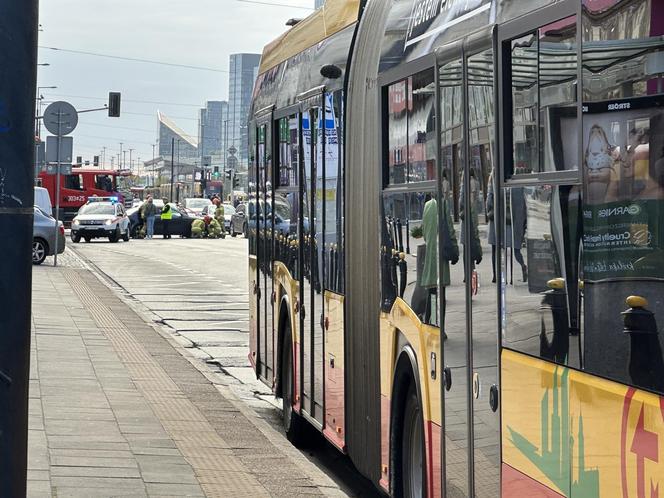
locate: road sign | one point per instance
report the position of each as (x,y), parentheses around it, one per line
(231,162)
(66,149)
(60,118)
(52,169)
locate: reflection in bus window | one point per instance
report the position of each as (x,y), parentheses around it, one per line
(623,182)
(544,70)
(411,148)
(542,236)
(421,127)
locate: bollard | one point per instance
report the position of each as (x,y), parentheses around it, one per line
(645,364)
(555,300)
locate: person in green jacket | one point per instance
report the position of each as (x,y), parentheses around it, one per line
(166,217)
(429,277)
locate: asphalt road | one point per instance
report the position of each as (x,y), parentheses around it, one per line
(197,290)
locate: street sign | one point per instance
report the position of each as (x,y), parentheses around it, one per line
(52,169)
(231,162)
(60,118)
(232,150)
(66,149)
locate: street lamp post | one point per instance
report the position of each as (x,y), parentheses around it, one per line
(131,164)
(120,157)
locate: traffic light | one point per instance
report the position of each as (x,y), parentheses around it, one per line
(95,161)
(216,172)
(236,182)
(229,173)
(113,104)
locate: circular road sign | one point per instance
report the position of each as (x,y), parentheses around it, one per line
(60,117)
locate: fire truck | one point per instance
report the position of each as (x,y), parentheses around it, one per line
(82,183)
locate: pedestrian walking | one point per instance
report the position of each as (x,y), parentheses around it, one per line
(149,213)
(166,216)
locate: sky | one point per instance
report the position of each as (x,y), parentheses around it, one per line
(200,33)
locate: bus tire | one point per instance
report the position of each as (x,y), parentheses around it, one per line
(413,467)
(294,424)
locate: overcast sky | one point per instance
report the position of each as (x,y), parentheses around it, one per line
(192,32)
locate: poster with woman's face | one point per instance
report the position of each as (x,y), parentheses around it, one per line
(623,183)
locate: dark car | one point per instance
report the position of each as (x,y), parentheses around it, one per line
(180,224)
(240,220)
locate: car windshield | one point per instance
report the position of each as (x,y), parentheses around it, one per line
(97,208)
(228,210)
(196,203)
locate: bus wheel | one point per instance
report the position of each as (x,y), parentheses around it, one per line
(293,423)
(412,447)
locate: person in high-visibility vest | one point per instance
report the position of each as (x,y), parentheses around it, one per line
(166,216)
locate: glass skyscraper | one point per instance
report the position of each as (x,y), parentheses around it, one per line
(243,73)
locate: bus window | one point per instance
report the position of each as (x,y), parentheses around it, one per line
(543,94)
(288,152)
(411,147)
(623,181)
(541,249)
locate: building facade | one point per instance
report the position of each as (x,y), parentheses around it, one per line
(212,123)
(243,73)
(186,146)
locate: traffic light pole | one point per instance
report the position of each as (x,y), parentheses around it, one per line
(18,42)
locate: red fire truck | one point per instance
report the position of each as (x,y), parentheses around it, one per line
(82,183)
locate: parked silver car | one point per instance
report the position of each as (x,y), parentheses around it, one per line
(43,237)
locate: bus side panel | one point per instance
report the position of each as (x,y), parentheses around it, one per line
(610,435)
(335,424)
(253,316)
(424,340)
(618,435)
(535,410)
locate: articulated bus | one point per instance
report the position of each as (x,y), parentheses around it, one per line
(456,256)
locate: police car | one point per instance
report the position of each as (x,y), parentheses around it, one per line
(100,217)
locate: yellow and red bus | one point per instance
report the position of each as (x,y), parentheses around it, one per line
(456,257)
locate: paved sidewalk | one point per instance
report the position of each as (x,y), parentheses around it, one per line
(116,410)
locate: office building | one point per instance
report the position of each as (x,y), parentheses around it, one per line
(243,73)
(212,122)
(186,147)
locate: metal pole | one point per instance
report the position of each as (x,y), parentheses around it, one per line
(18,30)
(153,166)
(172,166)
(57,190)
(120,157)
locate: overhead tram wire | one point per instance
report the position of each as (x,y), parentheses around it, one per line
(135,59)
(275,4)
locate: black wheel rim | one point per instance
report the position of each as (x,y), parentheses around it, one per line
(413,451)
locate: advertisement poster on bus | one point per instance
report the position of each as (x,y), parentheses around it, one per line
(623,190)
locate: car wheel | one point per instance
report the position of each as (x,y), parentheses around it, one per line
(75,238)
(115,236)
(39,251)
(88,239)
(244,231)
(125,237)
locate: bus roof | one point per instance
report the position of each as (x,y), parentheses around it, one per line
(332,17)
